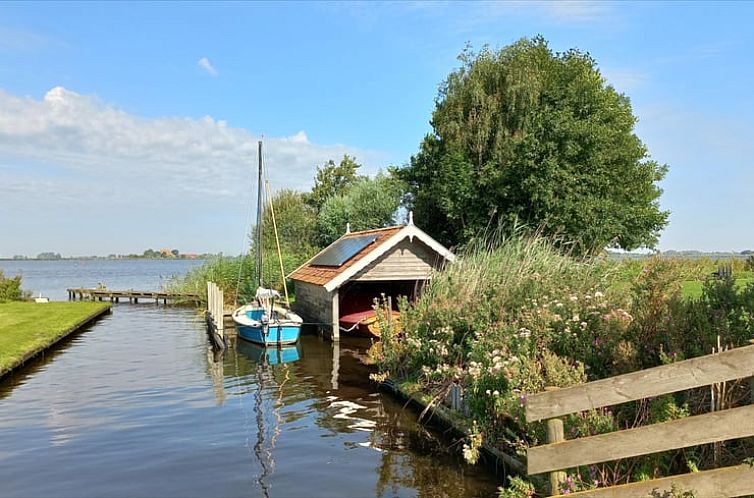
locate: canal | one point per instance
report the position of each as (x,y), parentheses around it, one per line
(138,405)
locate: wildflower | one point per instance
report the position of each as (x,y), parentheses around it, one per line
(496,392)
(576,318)
(598,294)
(573,298)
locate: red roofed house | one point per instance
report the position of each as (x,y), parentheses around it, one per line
(346,277)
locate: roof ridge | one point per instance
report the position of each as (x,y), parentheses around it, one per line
(361,232)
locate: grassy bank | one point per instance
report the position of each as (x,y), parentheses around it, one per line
(26,327)
(514,316)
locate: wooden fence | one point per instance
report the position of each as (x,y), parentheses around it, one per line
(734,423)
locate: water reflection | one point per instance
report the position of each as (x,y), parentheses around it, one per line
(140,406)
(321,391)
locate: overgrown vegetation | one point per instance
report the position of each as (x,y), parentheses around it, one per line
(10,288)
(514,315)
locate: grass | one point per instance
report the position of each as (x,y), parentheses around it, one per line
(692,289)
(27,327)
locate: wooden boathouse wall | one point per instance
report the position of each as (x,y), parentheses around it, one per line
(406,261)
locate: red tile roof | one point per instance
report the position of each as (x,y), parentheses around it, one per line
(320,275)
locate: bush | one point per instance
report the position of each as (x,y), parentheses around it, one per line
(10,288)
(514,315)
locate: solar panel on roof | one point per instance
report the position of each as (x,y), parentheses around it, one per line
(343,250)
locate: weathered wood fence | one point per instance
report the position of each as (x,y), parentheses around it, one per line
(215,315)
(734,423)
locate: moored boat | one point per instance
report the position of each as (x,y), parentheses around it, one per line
(366,323)
(267,324)
(264,321)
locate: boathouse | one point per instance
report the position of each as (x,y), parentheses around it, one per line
(360,266)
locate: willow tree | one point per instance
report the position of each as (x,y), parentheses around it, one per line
(527,136)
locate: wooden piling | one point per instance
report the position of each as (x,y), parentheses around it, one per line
(215,315)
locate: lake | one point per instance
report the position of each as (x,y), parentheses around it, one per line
(138,405)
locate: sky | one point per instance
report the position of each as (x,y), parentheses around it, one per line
(127,126)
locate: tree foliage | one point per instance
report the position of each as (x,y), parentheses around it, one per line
(369,203)
(296,224)
(527,136)
(332,180)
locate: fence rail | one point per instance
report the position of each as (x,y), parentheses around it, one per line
(711,427)
(697,372)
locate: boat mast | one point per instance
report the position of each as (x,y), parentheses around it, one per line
(259,220)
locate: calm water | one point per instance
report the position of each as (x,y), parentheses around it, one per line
(52,278)
(138,406)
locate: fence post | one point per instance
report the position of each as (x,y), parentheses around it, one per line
(555,434)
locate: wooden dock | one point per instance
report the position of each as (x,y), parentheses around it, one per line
(133,296)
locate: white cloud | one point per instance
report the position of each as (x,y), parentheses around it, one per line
(205,64)
(625,80)
(72,145)
(575,11)
(17,40)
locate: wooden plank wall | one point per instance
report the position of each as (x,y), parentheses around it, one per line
(723,425)
(406,261)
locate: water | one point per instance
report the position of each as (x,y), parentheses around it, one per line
(52,278)
(138,406)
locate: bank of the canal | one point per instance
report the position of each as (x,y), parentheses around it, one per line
(28,329)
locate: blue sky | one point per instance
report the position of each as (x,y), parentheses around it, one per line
(129,126)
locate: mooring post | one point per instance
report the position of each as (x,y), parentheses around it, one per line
(555,434)
(335,316)
(751,381)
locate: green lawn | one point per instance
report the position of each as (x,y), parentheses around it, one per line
(27,326)
(692,289)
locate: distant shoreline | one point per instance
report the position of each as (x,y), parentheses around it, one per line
(105,258)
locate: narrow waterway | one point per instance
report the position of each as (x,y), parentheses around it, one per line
(137,406)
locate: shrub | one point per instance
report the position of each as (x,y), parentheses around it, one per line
(10,288)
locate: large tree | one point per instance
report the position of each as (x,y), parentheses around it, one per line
(296,224)
(333,179)
(369,203)
(524,135)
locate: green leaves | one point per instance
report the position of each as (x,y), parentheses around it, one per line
(369,203)
(525,135)
(333,179)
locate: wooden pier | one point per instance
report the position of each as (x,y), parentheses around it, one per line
(133,296)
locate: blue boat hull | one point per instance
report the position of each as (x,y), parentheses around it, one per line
(276,334)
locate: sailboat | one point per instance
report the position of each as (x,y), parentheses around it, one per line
(265,321)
